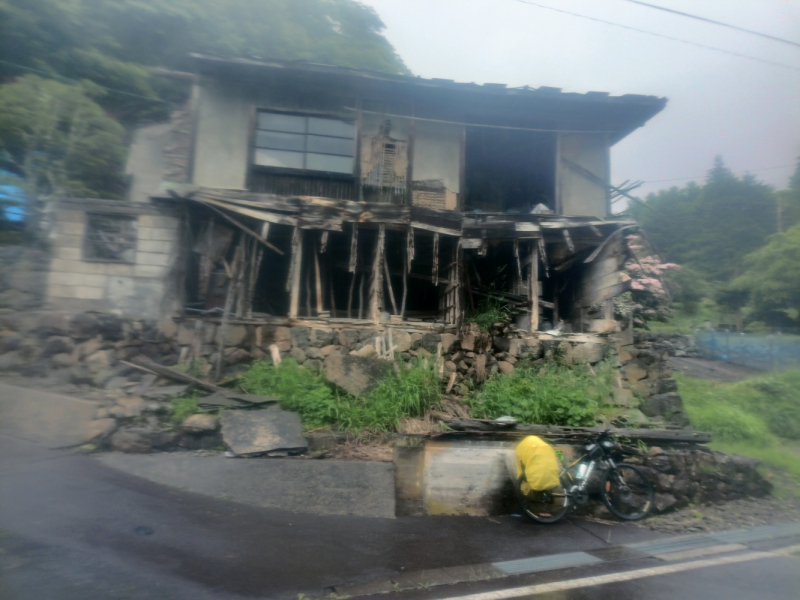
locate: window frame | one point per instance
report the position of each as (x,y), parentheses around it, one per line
(304,172)
(85,254)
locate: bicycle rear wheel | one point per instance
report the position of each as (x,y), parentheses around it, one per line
(542,507)
(627,493)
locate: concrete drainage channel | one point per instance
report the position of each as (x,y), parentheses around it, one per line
(674,549)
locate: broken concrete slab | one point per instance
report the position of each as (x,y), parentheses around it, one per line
(355,374)
(253,432)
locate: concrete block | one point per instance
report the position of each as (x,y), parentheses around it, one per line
(156,246)
(60,291)
(147,258)
(71,216)
(157,233)
(119,269)
(89,280)
(70,253)
(70,228)
(149,271)
(61,240)
(89,293)
(158,221)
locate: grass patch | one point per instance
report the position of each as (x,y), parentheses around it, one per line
(407,393)
(555,395)
(183,407)
(758,418)
(753,409)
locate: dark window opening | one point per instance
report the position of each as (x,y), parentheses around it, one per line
(508,170)
(110,238)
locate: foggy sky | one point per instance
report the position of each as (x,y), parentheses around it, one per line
(746,111)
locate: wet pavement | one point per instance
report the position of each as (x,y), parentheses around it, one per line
(73,528)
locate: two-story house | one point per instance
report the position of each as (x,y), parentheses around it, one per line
(288,191)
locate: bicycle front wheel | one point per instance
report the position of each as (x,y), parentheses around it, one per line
(545,507)
(627,493)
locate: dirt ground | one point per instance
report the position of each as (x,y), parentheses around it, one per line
(713,370)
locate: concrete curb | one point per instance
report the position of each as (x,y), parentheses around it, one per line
(324,487)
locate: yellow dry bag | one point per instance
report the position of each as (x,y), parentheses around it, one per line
(538,460)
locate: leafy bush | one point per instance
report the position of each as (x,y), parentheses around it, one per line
(561,395)
(407,393)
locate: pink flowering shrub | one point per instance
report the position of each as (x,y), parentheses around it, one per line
(649,299)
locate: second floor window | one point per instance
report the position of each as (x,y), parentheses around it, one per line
(304,143)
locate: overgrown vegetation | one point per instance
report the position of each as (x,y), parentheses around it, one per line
(183,407)
(554,395)
(407,393)
(492,309)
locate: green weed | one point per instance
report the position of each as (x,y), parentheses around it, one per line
(490,310)
(561,395)
(183,407)
(407,393)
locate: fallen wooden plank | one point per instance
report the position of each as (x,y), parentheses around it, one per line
(152,367)
(554,431)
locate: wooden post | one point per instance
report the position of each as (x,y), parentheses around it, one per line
(533,285)
(609,309)
(389,283)
(233,284)
(354,249)
(376,289)
(543,254)
(323,243)
(293,281)
(435,273)
(318,280)
(361,296)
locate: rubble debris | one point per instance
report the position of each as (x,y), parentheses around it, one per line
(263,431)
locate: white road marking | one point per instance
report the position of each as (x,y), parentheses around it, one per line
(697,552)
(787,551)
(571,584)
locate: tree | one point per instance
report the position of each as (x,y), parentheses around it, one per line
(115,43)
(58,140)
(650,298)
(713,227)
(772,278)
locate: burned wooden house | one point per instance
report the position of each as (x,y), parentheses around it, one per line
(288,191)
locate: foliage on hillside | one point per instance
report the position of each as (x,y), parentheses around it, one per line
(113,43)
(59,140)
(712,227)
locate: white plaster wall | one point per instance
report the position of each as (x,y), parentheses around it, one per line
(146,160)
(579,196)
(437,153)
(222,137)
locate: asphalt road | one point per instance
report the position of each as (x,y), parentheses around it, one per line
(72,528)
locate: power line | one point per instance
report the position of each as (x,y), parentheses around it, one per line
(68,79)
(699,18)
(661,35)
(705,174)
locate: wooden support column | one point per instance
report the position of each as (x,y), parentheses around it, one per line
(293,281)
(533,284)
(435,273)
(318,281)
(376,287)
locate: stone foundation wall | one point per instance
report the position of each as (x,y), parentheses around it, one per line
(470,477)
